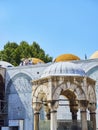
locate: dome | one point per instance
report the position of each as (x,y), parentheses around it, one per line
(94,55)
(66,57)
(5,64)
(63,68)
(30,61)
(36,60)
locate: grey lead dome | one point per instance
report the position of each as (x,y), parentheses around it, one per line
(5,64)
(63,68)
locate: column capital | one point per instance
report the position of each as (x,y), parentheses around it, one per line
(53,105)
(37,106)
(74,108)
(93,112)
(92,107)
(83,105)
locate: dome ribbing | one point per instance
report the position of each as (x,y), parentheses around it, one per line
(63,68)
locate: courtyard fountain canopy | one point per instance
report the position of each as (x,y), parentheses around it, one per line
(69,80)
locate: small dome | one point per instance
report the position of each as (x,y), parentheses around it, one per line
(5,64)
(63,68)
(66,57)
(94,55)
(36,60)
(30,61)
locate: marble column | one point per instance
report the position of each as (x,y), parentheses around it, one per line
(92,110)
(48,116)
(53,120)
(74,109)
(74,116)
(36,120)
(36,107)
(84,119)
(93,119)
(47,110)
(83,107)
(53,111)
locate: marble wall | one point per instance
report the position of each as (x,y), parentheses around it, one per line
(19,89)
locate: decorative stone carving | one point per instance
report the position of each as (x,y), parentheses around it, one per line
(40,93)
(73,87)
(37,106)
(83,104)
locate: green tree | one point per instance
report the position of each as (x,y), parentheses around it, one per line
(11,45)
(8,53)
(24,50)
(13,53)
(38,52)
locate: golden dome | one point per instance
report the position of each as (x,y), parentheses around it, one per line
(36,60)
(66,57)
(30,61)
(94,55)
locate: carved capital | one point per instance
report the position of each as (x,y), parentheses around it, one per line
(83,105)
(74,109)
(36,106)
(53,105)
(92,107)
(46,108)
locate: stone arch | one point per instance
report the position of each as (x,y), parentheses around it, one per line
(40,93)
(14,78)
(15,72)
(73,87)
(92,91)
(69,94)
(91,94)
(90,66)
(77,90)
(92,69)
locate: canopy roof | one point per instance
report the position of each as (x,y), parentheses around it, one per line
(63,68)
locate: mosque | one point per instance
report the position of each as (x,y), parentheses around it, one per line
(61,95)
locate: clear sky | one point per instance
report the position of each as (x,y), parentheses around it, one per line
(58,26)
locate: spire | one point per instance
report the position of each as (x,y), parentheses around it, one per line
(85,57)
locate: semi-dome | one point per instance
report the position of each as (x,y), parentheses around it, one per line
(5,64)
(63,68)
(94,55)
(66,57)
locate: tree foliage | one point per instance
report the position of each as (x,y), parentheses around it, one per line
(13,52)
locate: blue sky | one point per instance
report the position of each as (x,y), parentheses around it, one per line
(58,26)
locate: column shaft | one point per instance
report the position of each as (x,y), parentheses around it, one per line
(84,120)
(36,121)
(93,119)
(74,116)
(48,116)
(53,120)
